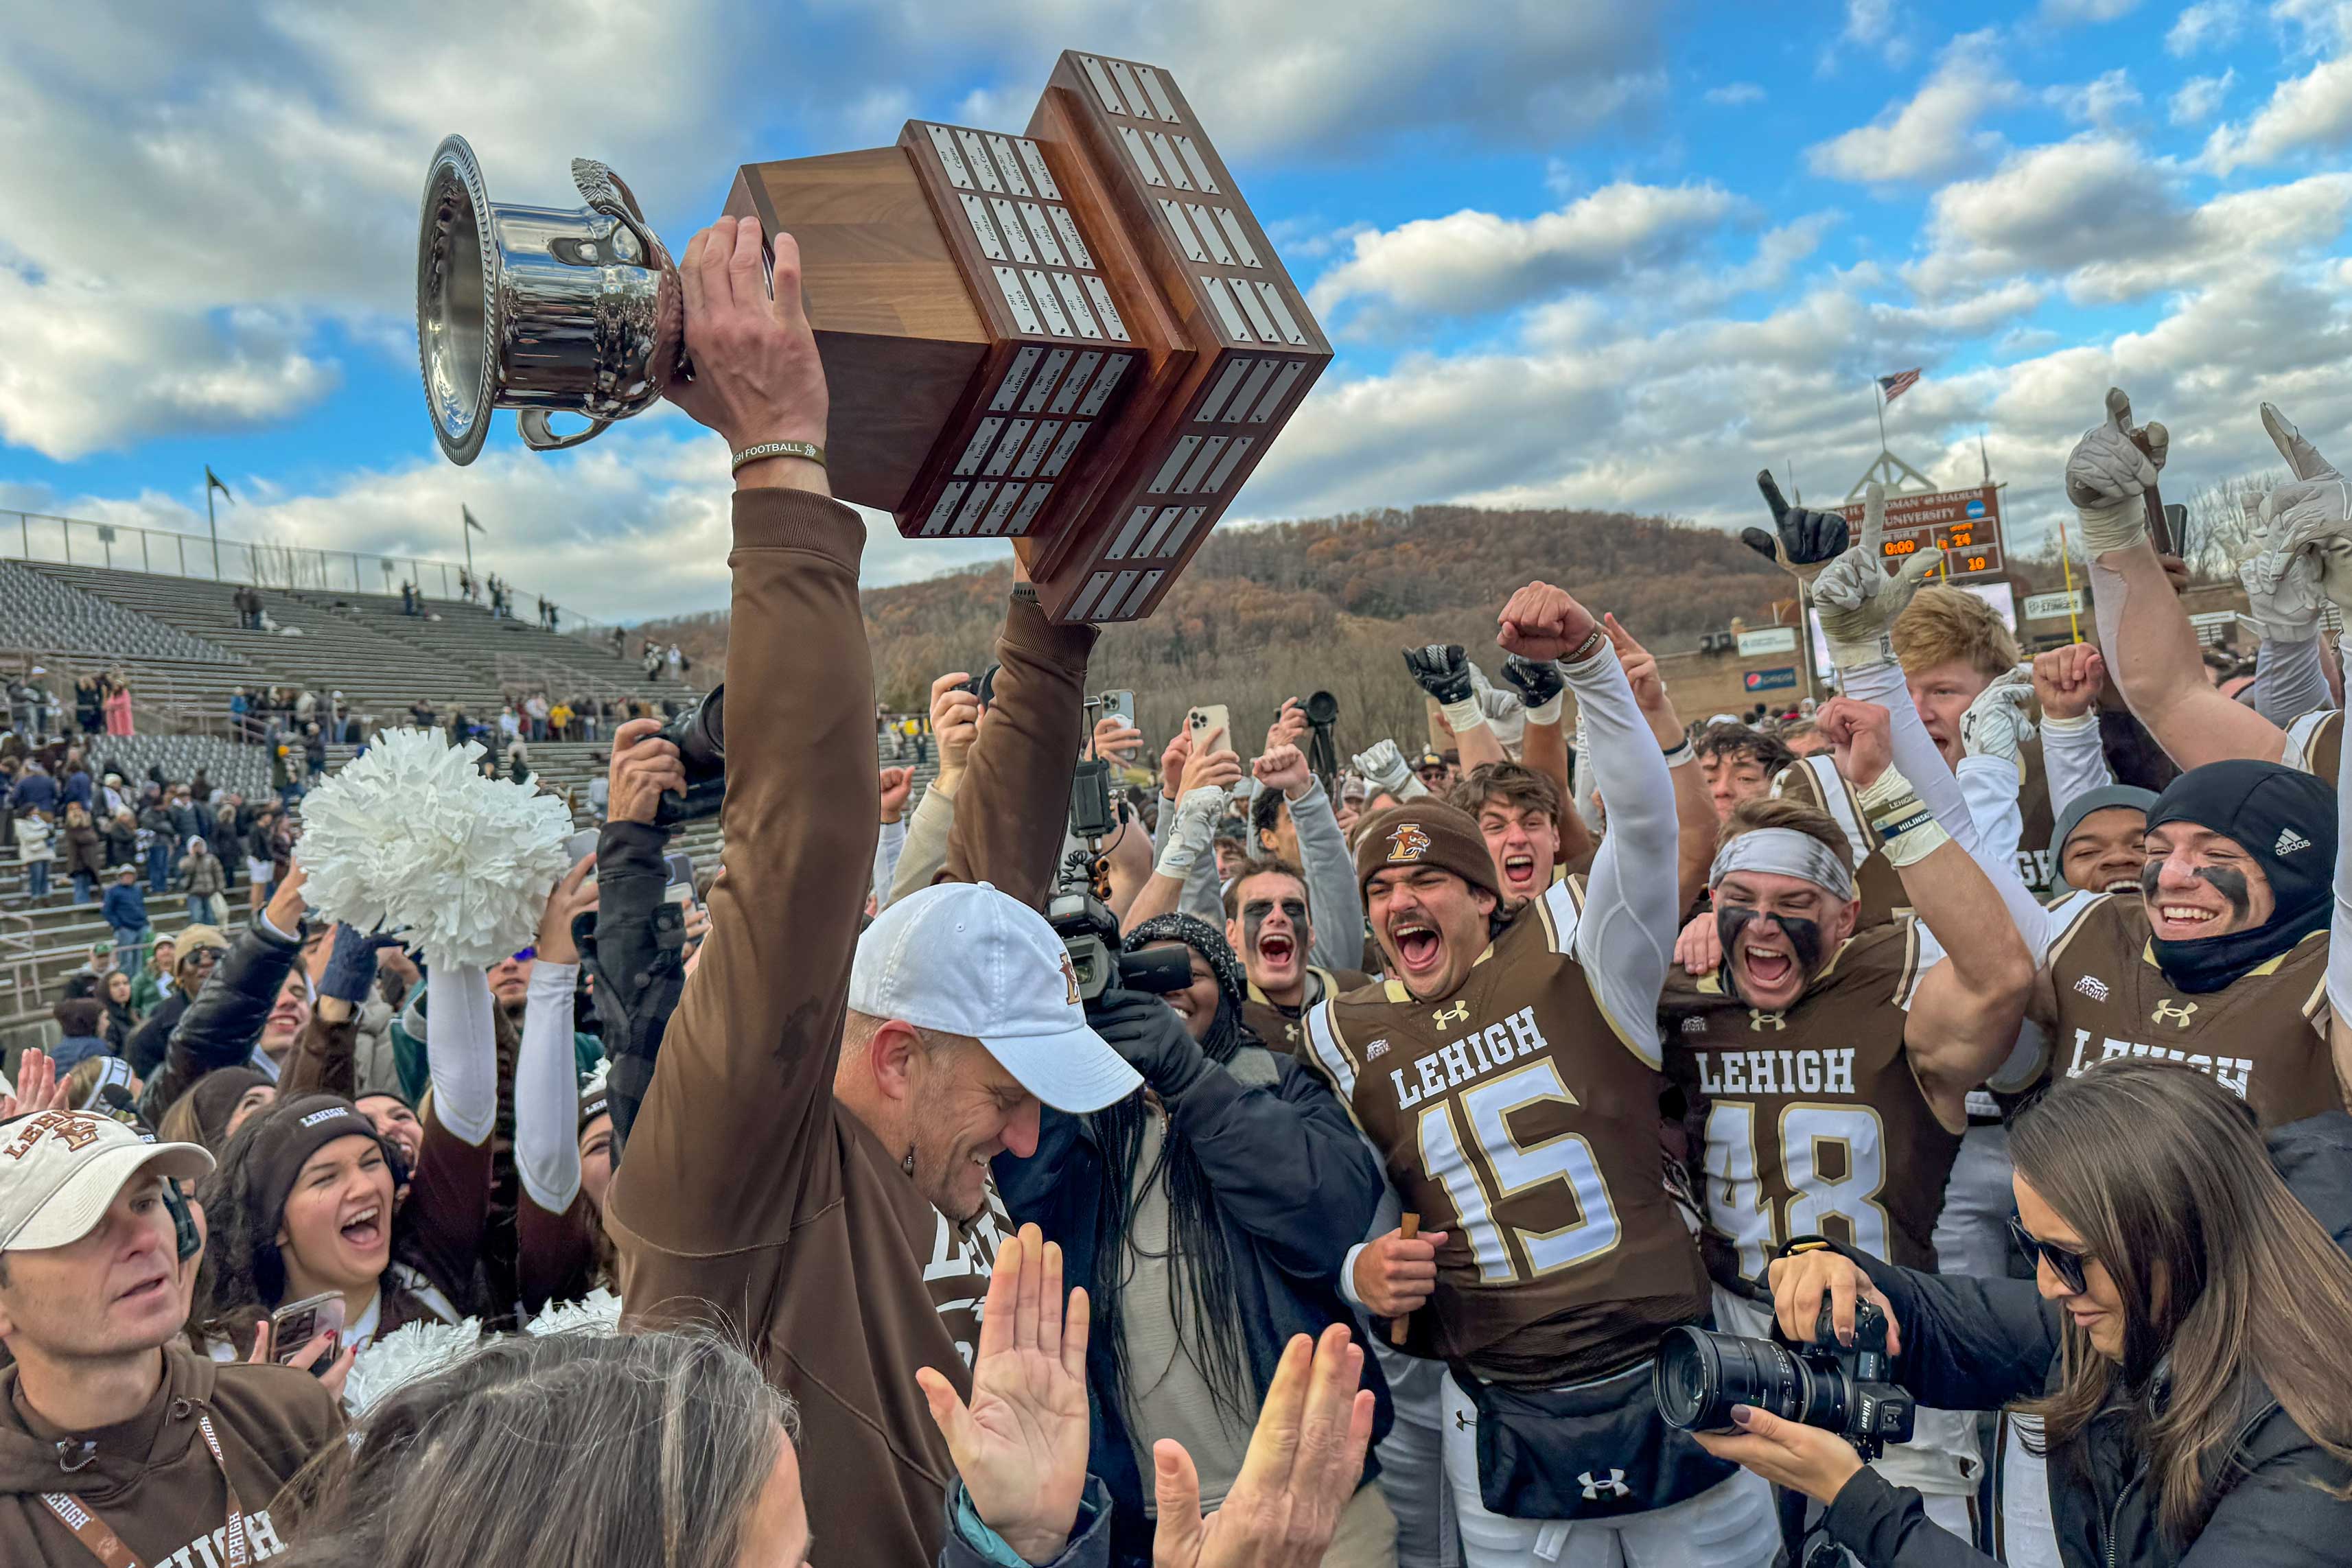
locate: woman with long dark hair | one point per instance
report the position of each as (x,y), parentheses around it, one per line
(1181,1209)
(2186,1344)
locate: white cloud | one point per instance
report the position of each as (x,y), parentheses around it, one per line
(2306,112)
(1934,134)
(2105,102)
(1873,25)
(2200,99)
(1472,262)
(2096,211)
(1735,93)
(2206,24)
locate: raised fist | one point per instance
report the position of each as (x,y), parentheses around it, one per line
(1442,670)
(1536,681)
(2067,680)
(1383,767)
(1802,541)
(1857,600)
(1861,735)
(2000,721)
(2107,474)
(1544,622)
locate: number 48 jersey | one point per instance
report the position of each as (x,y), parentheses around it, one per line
(1512,1116)
(1816,1124)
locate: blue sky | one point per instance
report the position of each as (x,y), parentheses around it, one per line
(1569,255)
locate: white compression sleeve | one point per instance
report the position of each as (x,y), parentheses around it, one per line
(1625,937)
(2073,763)
(1918,760)
(2289,680)
(1335,901)
(547,1091)
(461,1048)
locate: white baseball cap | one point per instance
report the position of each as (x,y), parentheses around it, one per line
(964,958)
(59,1171)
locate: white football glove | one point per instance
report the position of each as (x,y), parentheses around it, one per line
(2000,720)
(2107,475)
(2284,596)
(1189,834)
(2311,513)
(1857,600)
(1383,767)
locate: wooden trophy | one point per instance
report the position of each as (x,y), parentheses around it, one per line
(1079,339)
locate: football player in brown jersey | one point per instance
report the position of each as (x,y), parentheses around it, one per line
(1828,1068)
(1507,1075)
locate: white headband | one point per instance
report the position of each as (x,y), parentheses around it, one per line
(1786,853)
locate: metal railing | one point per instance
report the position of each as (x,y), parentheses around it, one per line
(150,714)
(122,547)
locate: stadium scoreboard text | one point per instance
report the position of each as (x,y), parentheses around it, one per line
(1966,524)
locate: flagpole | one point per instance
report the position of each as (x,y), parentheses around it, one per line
(211,524)
(1882,414)
(465,527)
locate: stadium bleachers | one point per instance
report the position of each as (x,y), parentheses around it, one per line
(50,613)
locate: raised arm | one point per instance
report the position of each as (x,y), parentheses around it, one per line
(1442,670)
(2150,647)
(2067,681)
(955,725)
(1626,933)
(1333,895)
(1012,808)
(1694,823)
(1966,1010)
(747,1060)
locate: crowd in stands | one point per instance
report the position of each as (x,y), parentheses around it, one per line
(1169,1150)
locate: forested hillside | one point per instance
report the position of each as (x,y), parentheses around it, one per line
(1290,608)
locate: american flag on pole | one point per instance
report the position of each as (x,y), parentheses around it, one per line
(1898,384)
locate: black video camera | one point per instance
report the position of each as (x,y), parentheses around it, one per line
(1091,937)
(700,736)
(1700,1376)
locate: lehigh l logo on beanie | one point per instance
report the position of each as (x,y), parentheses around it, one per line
(1407,843)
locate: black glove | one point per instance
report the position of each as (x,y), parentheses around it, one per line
(1537,680)
(1804,540)
(1151,1038)
(1442,670)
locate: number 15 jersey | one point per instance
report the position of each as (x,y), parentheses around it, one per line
(1511,1115)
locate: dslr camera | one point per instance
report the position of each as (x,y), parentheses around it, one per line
(700,736)
(1701,1375)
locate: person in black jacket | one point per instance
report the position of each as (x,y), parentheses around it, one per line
(2189,1332)
(248,1012)
(1180,1209)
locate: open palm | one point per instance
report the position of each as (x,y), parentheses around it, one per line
(1020,1444)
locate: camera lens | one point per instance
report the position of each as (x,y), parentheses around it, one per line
(1701,1375)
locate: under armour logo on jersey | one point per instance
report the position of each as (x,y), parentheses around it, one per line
(2093,986)
(1458,1013)
(2174,1013)
(2289,841)
(1377,1049)
(1757,1020)
(1612,1486)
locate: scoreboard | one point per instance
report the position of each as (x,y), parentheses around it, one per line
(1964,523)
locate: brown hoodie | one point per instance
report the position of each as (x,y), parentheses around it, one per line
(152,1481)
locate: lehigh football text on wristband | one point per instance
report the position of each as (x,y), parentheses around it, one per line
(1907,831)
(767,449)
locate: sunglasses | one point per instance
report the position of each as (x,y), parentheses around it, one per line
(2064,1263)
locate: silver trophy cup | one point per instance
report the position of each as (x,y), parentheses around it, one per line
(540,309)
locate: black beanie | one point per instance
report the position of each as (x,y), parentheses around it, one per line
(2284,818)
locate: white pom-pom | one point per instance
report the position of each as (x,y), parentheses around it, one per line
(599,1312)
(415,1351)
(411,838)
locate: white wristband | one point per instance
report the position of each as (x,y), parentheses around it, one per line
(1550,713)
(1466,714)
(2117,527)
(1906,829)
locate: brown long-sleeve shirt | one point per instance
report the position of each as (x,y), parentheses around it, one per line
(750,1199)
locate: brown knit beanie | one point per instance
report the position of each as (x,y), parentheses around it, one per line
(1425,832)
